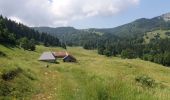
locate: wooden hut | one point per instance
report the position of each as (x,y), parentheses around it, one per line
(69,58)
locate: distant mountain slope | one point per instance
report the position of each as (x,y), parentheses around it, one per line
(57,30)
(135,30)
(136,27)
(139,26)
(72,36)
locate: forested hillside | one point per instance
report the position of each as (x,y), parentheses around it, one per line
(16,33)
(72,37)
(135,30)
(58,30)
(136,41)
(139,26)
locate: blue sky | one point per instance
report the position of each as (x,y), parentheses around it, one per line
(145,9)
(81,13)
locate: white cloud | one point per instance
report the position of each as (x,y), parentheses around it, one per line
(15,19)
(61,12)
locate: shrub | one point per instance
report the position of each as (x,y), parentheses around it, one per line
(147,37)
(158,58)
(29,74)
(2,54)
(5,88)
(11,74)
(167,59)
(128,54)
(107,53)
(148,57)
(27,44)
(20,85)
(102,94)
(167,33)
(146,81)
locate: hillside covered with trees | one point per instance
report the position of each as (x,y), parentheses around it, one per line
(12,33)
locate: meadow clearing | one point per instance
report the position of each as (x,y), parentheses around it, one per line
(93,77)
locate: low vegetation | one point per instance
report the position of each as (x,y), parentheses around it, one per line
(93,77)
(157,34)
(146,81)
(16,83)
(2,54)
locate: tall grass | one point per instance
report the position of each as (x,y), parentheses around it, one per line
(94,77)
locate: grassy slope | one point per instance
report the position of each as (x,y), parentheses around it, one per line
(151,35)
(94,77)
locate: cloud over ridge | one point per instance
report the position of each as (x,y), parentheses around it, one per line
(61,12)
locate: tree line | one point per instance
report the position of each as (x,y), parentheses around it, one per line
(157,50)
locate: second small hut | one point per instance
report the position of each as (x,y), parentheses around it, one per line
(66,56)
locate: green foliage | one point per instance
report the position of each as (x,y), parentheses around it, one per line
(107,53)
(11,74)
(32,44)
(63,45)
(15,83)
(5,88)
(73,37)
(11,32)
(148,57)
(127,54)
(155,51)
(146,81)
(7,37)
(167,33)
(26,44)
(101,49)
(2,54)
(167,59)
(158,58)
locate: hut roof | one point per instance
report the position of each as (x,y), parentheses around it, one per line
(61,54)
(47,56)
(69,56)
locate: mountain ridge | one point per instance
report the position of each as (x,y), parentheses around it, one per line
(133,30)
(141,25)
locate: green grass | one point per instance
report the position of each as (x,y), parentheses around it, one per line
(94,77)
(151,35)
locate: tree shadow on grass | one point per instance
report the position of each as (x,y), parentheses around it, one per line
(48,62)
(9,46)
(2,54)
(57,62)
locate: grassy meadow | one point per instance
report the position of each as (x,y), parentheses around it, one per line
(152,35)
(93,77)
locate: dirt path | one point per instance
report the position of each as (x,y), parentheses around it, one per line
(47,86)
